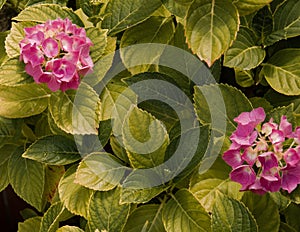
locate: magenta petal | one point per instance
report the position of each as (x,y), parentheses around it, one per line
(296,135)
(73,84)
(50,47)
(268,160)
(285,126)
(53,84)
(272,186)
(291,156)
(31,54)
(244,135)
(35,72)
(249,155)
(277,136)
(252,118)
(289,182)
(261,145)
(244,175)
(257,187)
(232,158)
(267,127)
(64,69)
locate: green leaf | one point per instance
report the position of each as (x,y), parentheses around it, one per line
(281,201)
(263,23)
(178,7)
(231,215)
(120,15)
(264,210)
(131,192)
(246,7)
(189,158)
(103,64)
(99,40)
(106,213)
(10,129)
(184,213)
(40,13)
(69,229)
(165,95)
(282,71)
(284,227)
(207,190)
(54,215)
(147,217)
(145,139)
(154,30)
(74,196)
(286,22)
(27,177)
(2,2)
(234,100)
(3,36)
(276,113)
(100,171)
(14,38)
(12,72)
(116,100)
(53,150)
(4,180)
(22,101)
(245,78)
(210,27)
(53,174)
(261,102)
(291,216)
(244,52)
(104,131)
(31,224)
(76,112)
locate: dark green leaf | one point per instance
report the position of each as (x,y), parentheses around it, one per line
(184,213)
(53,150)
(106,213)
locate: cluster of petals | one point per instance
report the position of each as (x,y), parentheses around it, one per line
(56,53)
(265,157)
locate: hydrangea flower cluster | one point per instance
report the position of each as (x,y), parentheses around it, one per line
(265,157)
(56,53)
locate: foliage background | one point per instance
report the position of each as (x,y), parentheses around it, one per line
(252,48)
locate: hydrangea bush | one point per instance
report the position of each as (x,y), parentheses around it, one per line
(161,115)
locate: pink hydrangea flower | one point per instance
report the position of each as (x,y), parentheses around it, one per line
(56,53)
(260,159)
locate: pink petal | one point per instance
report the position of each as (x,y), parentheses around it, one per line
(244,175)
(35,71)
(285,126)
(268,127)
(250,156)
(291,156)
(31,54)
(296,135)
(289,181)
(252,118)
(271,185)
(277,136)
(257,187)
(233,158)
(244,135)
(64,69)
(50,47)
(268,160)
(73,84)
(261,145)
